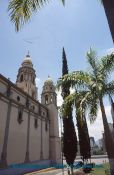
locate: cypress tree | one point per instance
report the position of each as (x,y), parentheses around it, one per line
(83,134)
(69,134)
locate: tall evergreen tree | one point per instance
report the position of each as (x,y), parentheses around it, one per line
(83,134)
(97,85)
(69,134)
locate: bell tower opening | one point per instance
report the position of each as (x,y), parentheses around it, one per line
(21,78)
(46,99)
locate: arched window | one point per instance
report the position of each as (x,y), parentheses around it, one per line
(46,99)
(51,98)
(21,78)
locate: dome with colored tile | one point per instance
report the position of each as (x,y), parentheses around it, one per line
(48,81)
(27,61)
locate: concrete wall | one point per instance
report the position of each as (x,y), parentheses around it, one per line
(35,140)
(17,137)
(45,142)
(17,133)
(3,116)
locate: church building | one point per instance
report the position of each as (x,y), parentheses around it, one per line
(29,130)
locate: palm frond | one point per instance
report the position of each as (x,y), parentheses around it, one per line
(93,61)
(21,10)
(109,88)
(76,80)
(93,108)
(68,102)
(107,65)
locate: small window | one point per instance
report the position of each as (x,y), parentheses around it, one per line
(33,107)
(51,99)
(46,126)
(20,116)
(27,103)
(36,123)
(46,99)
(18,98)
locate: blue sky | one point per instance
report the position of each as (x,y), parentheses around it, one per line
(77,26)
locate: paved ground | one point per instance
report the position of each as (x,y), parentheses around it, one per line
(97,160)
(52,171)
(49,172)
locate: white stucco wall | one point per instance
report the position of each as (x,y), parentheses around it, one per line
(3,116)
(45,141)
(17,137)
(35,140)
(3,87)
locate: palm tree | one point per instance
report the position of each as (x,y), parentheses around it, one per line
(94,85)
(21,11)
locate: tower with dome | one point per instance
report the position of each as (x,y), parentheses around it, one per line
(29,128)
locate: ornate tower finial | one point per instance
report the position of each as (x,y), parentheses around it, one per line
(28,54)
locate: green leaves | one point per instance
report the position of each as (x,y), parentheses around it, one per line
(89,86)
(106,65)
(21,11)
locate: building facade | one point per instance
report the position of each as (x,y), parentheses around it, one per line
(29,129)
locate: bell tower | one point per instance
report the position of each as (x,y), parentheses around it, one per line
(49,99)
(49,95)
(26,77)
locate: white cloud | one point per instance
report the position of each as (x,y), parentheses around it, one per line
(107,51)
(59,99)
(110,50)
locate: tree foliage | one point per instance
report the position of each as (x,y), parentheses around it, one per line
(21,11)
(94,85)
(69,134)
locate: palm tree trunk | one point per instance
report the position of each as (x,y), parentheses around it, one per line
(109,11)
(109,143)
